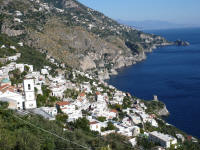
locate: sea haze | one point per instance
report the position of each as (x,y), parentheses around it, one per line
(172,73)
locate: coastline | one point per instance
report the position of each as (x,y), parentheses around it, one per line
(171,104)
(137,59)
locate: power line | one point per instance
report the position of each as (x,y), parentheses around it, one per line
(82,146)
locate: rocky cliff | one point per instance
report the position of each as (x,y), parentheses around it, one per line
(75,34)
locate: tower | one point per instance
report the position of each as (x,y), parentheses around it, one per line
(29,91)
(155,98)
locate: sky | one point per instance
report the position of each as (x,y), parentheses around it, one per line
(175,11)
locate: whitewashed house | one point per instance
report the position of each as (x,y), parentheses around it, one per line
(9,94)
(58,91)
(3,46)
(20,44)
(86,87)
(50,110)
(66,107)
(18,20)
(99,97)
(164,140)
(44,72)
(74,116)
(95,126)
(18,13)
(133,142)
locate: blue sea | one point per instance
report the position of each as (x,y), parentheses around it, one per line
(172,73)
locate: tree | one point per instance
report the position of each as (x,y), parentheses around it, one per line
(3,105)
(110,126)
(62,118)
(26,140)
(41,100)
(102,119)
(7,141)
(126,102)
(82,123)
(26,68)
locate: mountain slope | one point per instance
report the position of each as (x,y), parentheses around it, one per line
(75,34)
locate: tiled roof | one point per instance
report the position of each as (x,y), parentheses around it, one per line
(82,94)
(62,103)
(6,87)
(98,93)
(113,110)
(94,122)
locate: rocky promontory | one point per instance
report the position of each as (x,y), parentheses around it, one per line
(181,43)
(156,107)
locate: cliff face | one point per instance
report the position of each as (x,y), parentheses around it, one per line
(162,112)
(156,107)
(75,34)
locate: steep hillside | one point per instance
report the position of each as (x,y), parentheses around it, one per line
(75,34)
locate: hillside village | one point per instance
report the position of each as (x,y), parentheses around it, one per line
(79,99)
(78,95)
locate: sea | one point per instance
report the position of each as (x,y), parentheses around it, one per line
(173,74)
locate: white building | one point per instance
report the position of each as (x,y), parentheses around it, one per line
(20,44)
(18,20)
(95,126)
(133,142)
(86,87)
(44,71)
(29,91)
(50,110)
(15,57)
(9,94)
(18,13)
(99,97)
(58,91)
(22,66)
(65,107)
(164,140)
(74,116)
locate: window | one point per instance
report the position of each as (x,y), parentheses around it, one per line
(29,87)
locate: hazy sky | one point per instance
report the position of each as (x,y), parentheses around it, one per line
(176,11)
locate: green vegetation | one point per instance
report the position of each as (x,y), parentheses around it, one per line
(62,118)
(145,143)
(127,102)
(28,54)
(72,93)
(3,105)
(16,76)
(171,130)
(16,134)
(81,123)
(153,106)
(109,127)
(101,119)
(46,99)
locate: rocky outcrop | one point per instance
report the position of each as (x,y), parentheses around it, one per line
(87,63)
(11,32)
(181,43)
(70,4)
(162,112)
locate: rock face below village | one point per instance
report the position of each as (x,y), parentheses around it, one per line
(163,111)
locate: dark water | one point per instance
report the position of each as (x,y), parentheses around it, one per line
(172,73)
